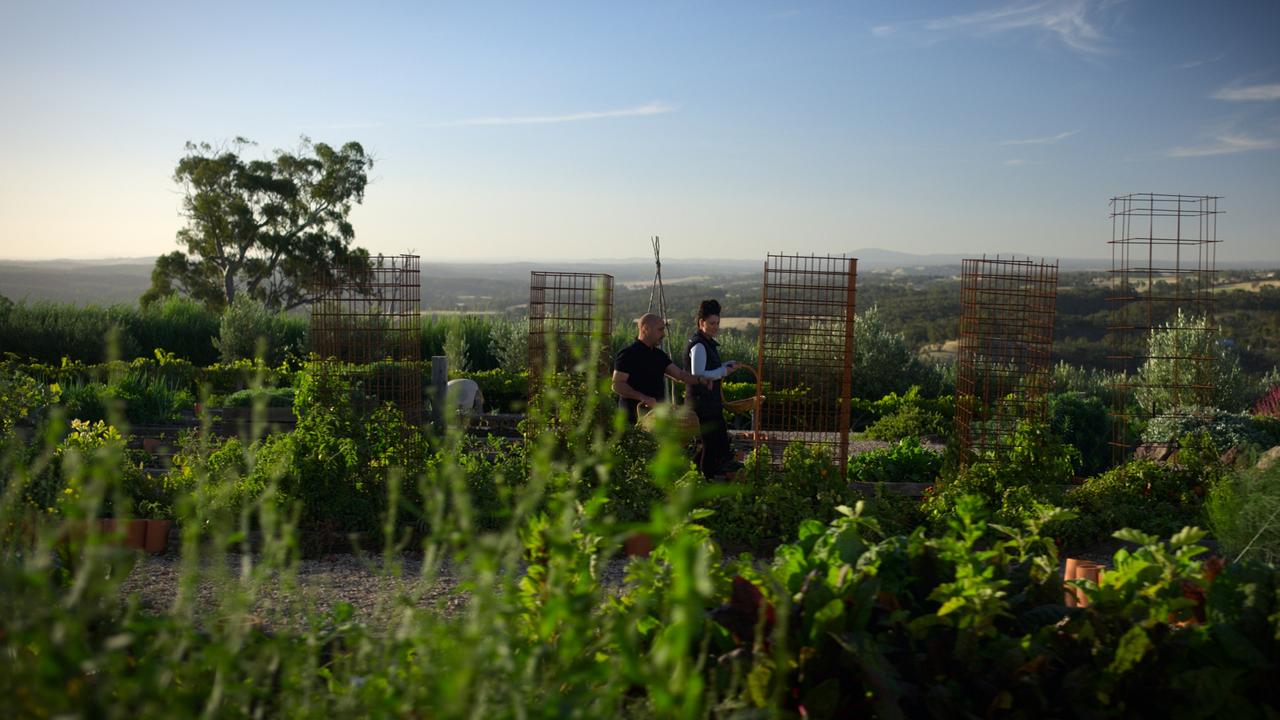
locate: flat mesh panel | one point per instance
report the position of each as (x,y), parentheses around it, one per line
(366,325)
(806,350)
(1007,310)
(566,309)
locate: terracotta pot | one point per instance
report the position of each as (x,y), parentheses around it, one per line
(152,445)
(135,534)
(157,536)
(1069,573)
(640,544)
(1080,570)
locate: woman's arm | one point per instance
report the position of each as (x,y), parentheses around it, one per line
(698,364)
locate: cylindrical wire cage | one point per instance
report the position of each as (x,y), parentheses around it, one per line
(1162,332)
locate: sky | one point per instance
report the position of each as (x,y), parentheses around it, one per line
(556,130)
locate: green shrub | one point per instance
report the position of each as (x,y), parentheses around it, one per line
(1167,382)
(1244,514)
(767,505)
(1016,484)
(1158,498)
(179,326)
(90,452)
(504,391)
(509,339)
(268,397)
(1227,429)
(474,330)
(1083,422)
(970,619)
(149,400)
(883,363)
(21,397)
(905,461)
(910,421)
(248,329)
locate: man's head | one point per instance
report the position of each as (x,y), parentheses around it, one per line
(650,329)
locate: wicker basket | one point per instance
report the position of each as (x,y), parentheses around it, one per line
(750,404)
(685,422)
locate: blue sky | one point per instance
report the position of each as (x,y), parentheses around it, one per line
(544,131)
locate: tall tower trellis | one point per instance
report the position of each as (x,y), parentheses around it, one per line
(658,306)
(1007,310)
(806,350)
(567,309)
(1163,269)
(366,325)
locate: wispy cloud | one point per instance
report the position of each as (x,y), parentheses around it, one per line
(653,108)
(1015,162)
(1246,93)
(347,126)
(1042,141)
(1072,22)
(1197,63)
(1229,144)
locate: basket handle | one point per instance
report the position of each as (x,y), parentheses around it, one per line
(755,374)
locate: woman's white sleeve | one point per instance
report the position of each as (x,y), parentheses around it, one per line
(698,363)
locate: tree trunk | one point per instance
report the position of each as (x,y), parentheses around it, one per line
(229,283)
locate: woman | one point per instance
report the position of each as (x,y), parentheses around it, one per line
(703,354)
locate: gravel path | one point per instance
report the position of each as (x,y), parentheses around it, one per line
(324,583)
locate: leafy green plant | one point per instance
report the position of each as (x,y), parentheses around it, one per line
(905,461)
(1017,483)
(765,505)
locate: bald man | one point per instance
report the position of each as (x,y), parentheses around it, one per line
(640,367)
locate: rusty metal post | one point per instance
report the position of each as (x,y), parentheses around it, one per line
(1007,310)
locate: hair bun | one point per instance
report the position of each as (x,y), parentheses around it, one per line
(707,308)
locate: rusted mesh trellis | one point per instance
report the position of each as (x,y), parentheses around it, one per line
(1007,310)
(366,326)
(567,308)
(806,350)
(1163,268)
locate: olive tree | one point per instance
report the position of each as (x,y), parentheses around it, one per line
(1187,366)
(266,228)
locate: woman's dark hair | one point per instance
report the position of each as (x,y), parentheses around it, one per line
(707,308)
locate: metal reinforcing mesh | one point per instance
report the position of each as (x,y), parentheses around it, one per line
(1006,337)
(366,325)
(1163,269)
(567,309)
(806,350)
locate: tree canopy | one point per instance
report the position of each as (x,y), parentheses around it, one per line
(265,228)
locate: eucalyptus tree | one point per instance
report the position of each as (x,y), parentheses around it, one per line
(266,228)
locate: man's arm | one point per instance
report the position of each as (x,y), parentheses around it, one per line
(679,375)
(622,389)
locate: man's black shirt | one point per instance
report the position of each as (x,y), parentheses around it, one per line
(645,368)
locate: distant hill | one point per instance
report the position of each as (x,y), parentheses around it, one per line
(101,282)
(475,285)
